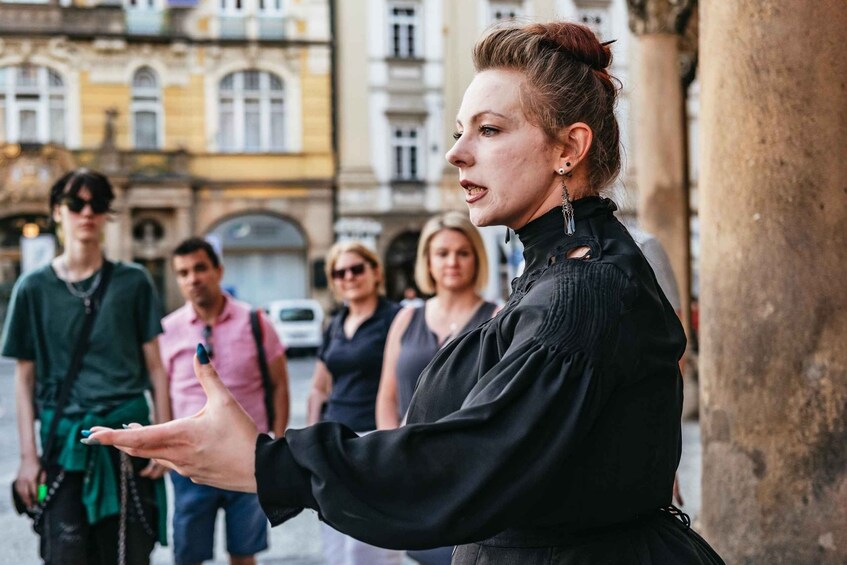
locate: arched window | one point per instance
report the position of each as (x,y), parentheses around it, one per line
(146,110)
(32,105)
(251,112)
(258,248)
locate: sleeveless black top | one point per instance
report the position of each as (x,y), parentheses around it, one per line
(419,345)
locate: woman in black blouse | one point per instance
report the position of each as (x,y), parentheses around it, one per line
(551,433)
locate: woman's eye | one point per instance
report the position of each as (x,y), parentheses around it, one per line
(457,135)
(487,131)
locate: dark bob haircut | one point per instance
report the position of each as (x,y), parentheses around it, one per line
(71,183)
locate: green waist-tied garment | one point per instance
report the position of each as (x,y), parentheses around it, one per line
(100,493)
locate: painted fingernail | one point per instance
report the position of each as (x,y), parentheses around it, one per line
(85,433)
(202,356)
(90,441)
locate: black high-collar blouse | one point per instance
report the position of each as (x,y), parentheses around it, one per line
(561,415)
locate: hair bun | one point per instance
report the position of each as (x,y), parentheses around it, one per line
(578,41)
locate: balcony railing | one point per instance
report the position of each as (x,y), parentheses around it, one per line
(244,26)
(102,20)
(271,27)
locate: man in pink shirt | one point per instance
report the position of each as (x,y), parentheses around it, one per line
(214,318)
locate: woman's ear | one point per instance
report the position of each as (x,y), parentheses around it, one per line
(57,216)
(576,141)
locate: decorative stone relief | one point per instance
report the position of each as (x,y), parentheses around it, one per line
(26,176)
(59,48)
(659,16)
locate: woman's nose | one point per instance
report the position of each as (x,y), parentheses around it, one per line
(458,155)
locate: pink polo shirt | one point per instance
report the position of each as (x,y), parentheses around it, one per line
(235,357)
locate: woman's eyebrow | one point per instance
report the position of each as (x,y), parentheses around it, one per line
(479,115)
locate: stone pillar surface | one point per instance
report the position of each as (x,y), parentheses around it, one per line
(659,134)
(773,356)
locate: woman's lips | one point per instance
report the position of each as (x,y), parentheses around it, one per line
(473,192)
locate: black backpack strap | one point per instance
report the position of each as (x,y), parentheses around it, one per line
(76,361)
(255,324)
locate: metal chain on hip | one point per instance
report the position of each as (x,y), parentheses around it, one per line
(126,470)
(38,511)
(129,490)
(137,506)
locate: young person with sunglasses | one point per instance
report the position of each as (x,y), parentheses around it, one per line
(86,520)
(346,378)
(550,434)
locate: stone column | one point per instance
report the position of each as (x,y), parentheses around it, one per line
(659,132)
(773,271)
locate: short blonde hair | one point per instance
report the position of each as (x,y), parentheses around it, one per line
(360,249)
(455,221)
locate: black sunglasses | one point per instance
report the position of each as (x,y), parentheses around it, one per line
(76,204)
(355,270)
(207,340)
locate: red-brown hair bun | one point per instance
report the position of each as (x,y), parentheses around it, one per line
(577,41)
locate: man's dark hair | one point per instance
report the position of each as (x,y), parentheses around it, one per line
(193,244)
(71,183)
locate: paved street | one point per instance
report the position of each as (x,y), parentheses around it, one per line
(295,543)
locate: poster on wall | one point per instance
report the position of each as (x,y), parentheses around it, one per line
(37,252)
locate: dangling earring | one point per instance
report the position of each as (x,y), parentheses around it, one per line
(567,207)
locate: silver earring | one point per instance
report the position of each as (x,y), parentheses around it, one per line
(567,207)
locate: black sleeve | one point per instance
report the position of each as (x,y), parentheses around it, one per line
(468,475)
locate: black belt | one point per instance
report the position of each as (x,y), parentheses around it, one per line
(545,537)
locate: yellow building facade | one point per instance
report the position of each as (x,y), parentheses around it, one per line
(211,119)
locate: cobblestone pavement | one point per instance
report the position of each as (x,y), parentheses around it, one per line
(295,543)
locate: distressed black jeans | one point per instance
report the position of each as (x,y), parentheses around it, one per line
(68,538)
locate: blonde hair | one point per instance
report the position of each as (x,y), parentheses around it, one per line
(359,249)
(455,221)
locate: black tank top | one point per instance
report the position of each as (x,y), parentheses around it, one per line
(419,345)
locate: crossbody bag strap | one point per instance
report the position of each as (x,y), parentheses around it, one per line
(76,361)
(255,325)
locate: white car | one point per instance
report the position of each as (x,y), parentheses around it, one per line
(298,323)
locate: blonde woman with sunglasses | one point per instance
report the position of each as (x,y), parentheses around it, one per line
(346,377)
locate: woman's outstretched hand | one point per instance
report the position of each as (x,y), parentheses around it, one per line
(215,447)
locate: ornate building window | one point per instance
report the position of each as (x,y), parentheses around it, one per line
(406,152)
(505,10)
(146,110)
(271,18)
(403,30)
(32,105)
(251,112)
(233,18)
(144,17)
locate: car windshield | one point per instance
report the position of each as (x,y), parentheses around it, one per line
(296,315)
